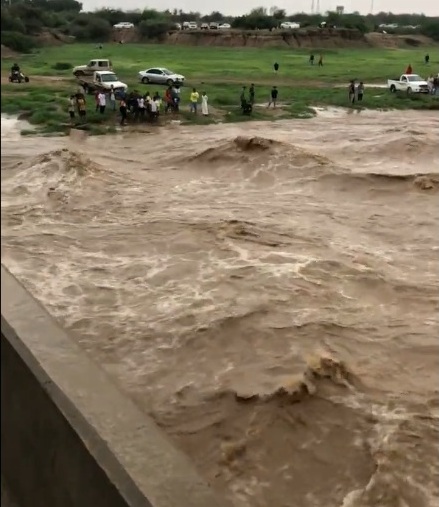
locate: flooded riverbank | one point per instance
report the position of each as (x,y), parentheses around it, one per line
(268,292)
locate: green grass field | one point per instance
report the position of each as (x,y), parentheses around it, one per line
(220,72)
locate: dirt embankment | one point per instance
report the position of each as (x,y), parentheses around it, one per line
(316,38)
(54,38)
(385,40)
(8,53)
(304,38)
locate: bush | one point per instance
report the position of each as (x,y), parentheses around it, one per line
(12,23)
(62,66)
(431,29)
(18,42)
(154,28)
(91,28)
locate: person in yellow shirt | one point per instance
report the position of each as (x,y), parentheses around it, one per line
(194,100)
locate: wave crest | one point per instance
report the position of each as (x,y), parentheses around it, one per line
(383,181)
(296,388)
(246,149)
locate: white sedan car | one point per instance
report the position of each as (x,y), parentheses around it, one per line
(289,25)
(123,24)
(224,26)
(160,75)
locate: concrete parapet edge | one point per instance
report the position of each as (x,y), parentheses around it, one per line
(69,437)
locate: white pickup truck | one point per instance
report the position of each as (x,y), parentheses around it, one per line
(92,66)
(103,80)
(409,83)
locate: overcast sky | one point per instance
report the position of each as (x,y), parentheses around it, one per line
(232,7)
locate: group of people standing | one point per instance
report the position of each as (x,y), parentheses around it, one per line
(248,101)
(311,61)
(139,107)
(172,100)
(355,91)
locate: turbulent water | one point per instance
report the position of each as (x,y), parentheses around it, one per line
(267,292)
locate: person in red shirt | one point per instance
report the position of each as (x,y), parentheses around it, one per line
(168,99)
(409,70)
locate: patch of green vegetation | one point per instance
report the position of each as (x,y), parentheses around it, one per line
(221,64)
(221,73)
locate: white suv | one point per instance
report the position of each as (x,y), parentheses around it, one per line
(190,25)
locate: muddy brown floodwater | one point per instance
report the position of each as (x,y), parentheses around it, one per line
(268,292)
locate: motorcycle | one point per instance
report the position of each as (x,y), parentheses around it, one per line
(18,77)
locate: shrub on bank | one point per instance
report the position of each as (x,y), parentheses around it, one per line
(62,66)
(89,27)
(154,29)
(18,42)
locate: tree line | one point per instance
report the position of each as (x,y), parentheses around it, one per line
(22,20)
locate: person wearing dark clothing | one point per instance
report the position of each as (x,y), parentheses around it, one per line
(321,61)
(242,98)
(276,67)
(123,112)
(273,96)
(427,59)
(311,59)
(15,68)
(246,106)
(133,105)
(435,89)
(96,100)
(351,92)
(252,94)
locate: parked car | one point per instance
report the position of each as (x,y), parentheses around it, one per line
(160,75)
(190,25)
(123,24)
(213,25)
(290,25)
(224,26)
(204,26)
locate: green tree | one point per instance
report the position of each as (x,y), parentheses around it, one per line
(431,28)
(155,28)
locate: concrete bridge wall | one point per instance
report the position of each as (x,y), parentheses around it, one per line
(69,437)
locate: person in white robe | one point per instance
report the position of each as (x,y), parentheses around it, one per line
(204,106)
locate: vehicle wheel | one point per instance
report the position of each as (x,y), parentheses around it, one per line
(79,73)
(145,80)
(169,82)
(393,89)
(26,79)
(409,91)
